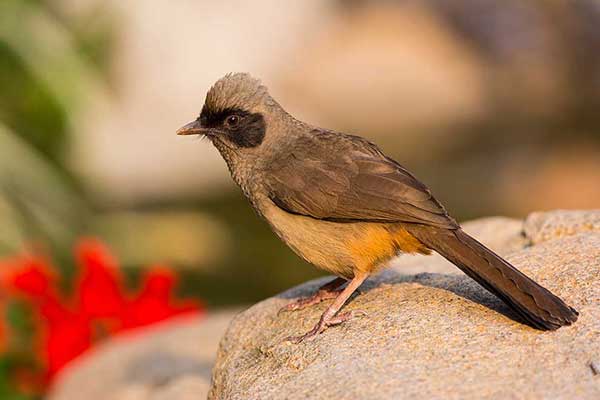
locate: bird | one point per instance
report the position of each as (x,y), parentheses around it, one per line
(345,207)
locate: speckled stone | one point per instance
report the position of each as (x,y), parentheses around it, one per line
(542,226)
(432,335)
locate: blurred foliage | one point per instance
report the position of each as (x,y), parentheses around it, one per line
(27,107)
(39,204)
(47,62)
(39,48)
(15,382)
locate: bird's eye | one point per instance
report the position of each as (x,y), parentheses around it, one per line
(232,120)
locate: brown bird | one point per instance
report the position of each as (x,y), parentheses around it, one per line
(344,206)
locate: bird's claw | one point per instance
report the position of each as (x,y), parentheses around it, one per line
(323,324)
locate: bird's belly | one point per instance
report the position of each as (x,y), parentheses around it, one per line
(342,248)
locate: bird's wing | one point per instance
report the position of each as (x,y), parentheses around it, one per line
(346,178)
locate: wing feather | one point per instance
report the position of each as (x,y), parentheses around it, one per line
(339,177)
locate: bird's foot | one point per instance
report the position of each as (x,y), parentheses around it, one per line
(325,323)
(325,292)
(301,303)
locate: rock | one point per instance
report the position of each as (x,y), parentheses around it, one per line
(542,226)
(169,361)
(430,335)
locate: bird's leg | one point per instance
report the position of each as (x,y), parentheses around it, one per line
(329,317)
(327,291)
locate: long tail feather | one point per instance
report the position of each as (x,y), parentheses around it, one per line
(534,303)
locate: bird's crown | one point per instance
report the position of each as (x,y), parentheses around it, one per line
(235,91)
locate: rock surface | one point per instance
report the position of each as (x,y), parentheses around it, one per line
(170,361)
(542,226)
(434,334)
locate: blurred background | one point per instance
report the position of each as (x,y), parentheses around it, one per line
(494,104)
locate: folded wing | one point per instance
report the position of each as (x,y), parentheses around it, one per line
(346,178)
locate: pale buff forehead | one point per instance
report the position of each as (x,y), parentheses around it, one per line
(239,90)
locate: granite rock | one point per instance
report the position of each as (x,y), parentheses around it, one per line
(542,226)
(435,335)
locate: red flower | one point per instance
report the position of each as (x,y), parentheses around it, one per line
(99,306)
(100,288)
(153,303)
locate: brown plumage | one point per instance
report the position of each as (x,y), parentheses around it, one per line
(344,206)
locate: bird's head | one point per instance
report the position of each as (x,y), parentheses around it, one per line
(233,115)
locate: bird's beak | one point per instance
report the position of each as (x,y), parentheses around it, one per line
(193,128)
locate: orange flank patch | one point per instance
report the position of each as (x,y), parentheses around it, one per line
(407,243)
(380,243)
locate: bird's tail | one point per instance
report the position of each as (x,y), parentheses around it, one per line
(535,304)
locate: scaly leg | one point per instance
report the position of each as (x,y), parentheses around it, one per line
(329,317)
(325,292)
